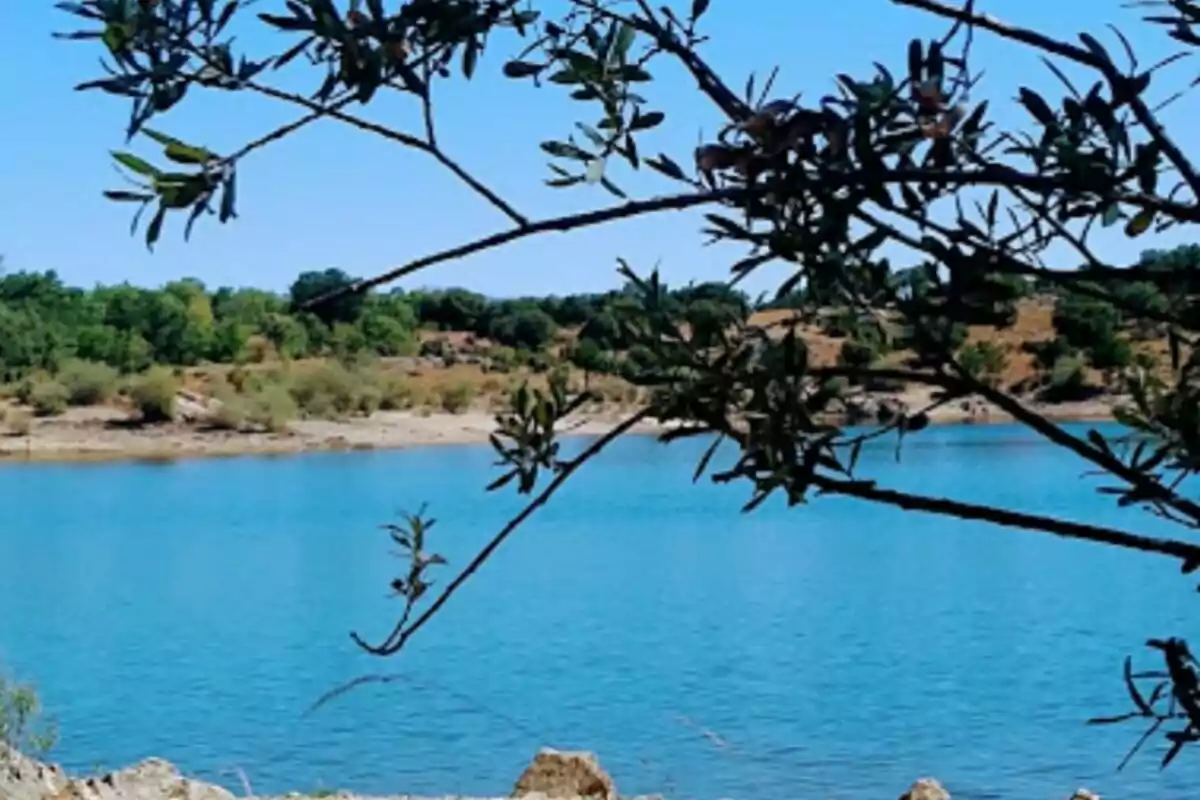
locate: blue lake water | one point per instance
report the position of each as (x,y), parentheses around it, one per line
(840,650)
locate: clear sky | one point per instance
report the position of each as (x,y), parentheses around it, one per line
(334,197)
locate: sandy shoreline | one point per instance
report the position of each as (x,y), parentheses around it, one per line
(103,434)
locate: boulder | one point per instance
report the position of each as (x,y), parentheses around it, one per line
(926,789)
(1085,794)
(22,778)
(555,773)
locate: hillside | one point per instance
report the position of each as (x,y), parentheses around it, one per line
(190,369)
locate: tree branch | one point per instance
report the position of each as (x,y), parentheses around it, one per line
(402,632)
(1185,551)
(408,140)
(1079,55)
(676,202)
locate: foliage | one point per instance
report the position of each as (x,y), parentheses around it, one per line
(456,398)
(48,397)
(153,394)
(88,383)
(903,158)
(983,361)
(23,725)
(18,421)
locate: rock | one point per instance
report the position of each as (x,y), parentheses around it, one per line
(554,773)
(1085,794)
(22,778)
(926,789)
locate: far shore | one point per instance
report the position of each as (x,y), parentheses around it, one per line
(105,434)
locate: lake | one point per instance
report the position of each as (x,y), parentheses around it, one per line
(194,610)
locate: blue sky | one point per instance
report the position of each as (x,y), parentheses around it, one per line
(334,197)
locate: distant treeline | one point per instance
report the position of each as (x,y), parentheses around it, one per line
(44,322)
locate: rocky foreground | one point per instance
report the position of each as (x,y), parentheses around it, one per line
(553,774)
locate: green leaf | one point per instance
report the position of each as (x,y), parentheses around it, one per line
(1038,107)
(135,164)
(229,199)
(521,69)
(565,150)
(624,40)
(1112,213)
(186,154)
(698,8)
(154,229)
(666,166)
(643,122)
(592,134)
(287,23)
(566,77)
(128,197)
(470,58)
(1140,223)
(634,74)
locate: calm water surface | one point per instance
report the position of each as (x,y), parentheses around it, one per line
(193,611)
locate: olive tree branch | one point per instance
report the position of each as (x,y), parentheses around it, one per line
(1185,551)
(1081,56)
(1150,487)
(403,631)
(706,79)
(408,140)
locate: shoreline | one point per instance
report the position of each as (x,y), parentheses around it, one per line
(102,435)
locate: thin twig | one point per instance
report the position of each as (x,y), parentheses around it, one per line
(408,140)
(401,633)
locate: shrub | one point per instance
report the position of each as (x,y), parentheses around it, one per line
(48,398)
(396,393)
(370,399)
(984,361)
(1111,353)
(18,421)
(229,413)
(856,354)
(273,408)
(24,388)
(88,383)
(457,398)
(327,391)
(153,394)
(22,724)
(1067,382)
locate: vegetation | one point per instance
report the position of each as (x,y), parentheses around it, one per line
(904,159)
(23,726)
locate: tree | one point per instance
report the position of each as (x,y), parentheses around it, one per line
(310,286)
(905,157)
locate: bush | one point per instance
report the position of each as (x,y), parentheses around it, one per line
(396,393)
(24,388)
(856,354)
(457,398)
(328,391)
(48,398)
(153,394)
(1067,382)
(984,361)
(273,408)
(22,725)
(370,399)
(1112,353)
(230,411)
(18,421)
(88,383)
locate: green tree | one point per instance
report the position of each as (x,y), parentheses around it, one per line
(346,308)
(889,163)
